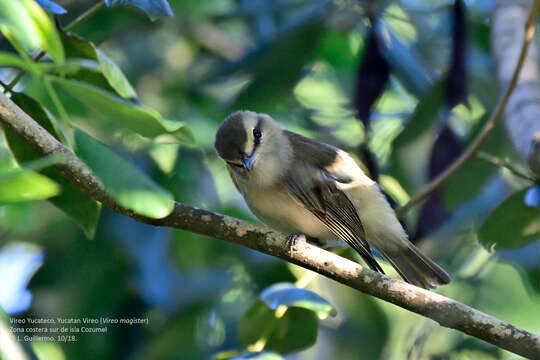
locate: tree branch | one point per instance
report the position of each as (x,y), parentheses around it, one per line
(488,126)
(447,312)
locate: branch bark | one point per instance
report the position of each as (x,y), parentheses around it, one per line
(447,312)
(523,109)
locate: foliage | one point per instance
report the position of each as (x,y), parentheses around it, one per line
(139,102)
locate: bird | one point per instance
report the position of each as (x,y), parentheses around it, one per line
(315,191)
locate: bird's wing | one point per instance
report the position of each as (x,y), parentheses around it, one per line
(315,188)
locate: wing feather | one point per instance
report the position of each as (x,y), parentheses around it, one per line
(315,188)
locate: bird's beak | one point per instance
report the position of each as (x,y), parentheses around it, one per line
(249,161)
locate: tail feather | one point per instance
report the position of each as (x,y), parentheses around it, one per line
(415,267)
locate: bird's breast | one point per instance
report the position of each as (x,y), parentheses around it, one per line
(277,208)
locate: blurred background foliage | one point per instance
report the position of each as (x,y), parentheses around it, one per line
(405,85)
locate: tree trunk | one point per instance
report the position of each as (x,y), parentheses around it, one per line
(522,113)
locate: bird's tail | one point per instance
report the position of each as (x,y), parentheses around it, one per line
(413,266)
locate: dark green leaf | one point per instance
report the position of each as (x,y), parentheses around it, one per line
(131,188)
(116,113)
(277,68)
(290,295)
(51,6)
(154,8)
(296,330)
(467,182)
(424,116)
(512,224)
(81,48)
(72,201)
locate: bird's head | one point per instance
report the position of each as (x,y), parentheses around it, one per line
(253,146)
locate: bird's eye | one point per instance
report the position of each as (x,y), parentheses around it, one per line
(257,133)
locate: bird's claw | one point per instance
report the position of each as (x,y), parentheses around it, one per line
(293,240)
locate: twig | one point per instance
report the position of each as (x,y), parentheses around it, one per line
(447,312)
(504,164)
(489,125)
(85,15)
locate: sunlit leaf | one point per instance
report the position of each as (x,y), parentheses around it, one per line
(295,330)
(72,201)
(117,113)
(290,295)
(131,188)
(31,27)
(265,355)
(512,224)
(51,6)
(23,185)
(154,8)
(81,48)
(11,60)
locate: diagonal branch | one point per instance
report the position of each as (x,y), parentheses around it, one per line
(447,312)
(481,138)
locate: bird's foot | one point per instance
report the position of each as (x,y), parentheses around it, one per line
(294,239)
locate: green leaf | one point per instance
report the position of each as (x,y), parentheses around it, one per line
(512,224)
(154,8)
(30,26)
(23,185)
(81,48)
(11,60)
(290,295)
(131,188)
(277,68)
(72,201)
(265,355)
(116,113)
(295,330)
(424,116)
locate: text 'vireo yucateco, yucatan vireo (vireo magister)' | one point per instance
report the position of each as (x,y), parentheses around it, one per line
(302,186)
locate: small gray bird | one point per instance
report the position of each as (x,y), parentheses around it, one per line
(301,186)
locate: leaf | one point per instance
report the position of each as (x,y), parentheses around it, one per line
(81,48)
(290,295)
(131,188)
(154,8)
(72,201)
(277,68)
(11,60)
(30,26)
(295,330)
(51,6)
(23,185)
(512,224)
(116,113)
(424,116)
(265,355)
